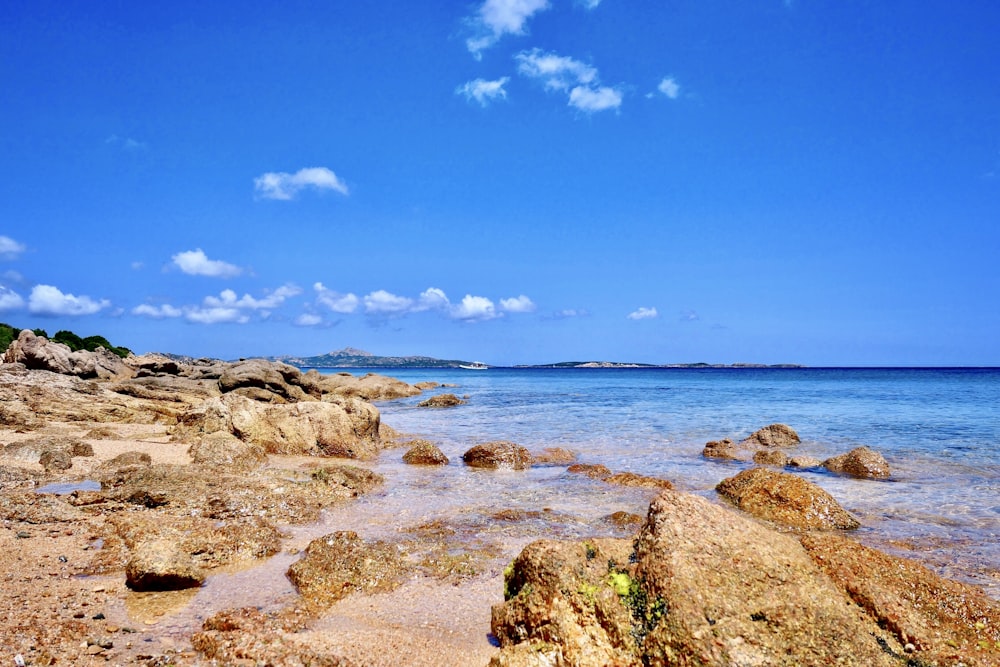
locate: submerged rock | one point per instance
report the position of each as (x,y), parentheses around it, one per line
(859,462)
(500,454)
(592,470)
(767,457)
(441,401)
(341,563)
(721,449)
(785,499)
(554,456)
(632,479)
(423,452)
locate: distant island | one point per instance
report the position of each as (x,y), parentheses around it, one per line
(351,357)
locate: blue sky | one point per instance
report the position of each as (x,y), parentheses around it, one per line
(517,181)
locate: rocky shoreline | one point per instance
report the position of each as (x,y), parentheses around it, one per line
(130,484)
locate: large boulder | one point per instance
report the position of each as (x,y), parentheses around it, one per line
(441,401)
(785,499)
(859,462)
(39,353)
(774,435)
(722,449)
(499,454)
(224,449)
(700,585)
(264,380)
(335,427)
(371,387)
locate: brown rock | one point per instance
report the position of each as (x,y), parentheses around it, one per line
(720,449)
(37,352)
(859,462)
(424,453)
(625,520)
(224,449)
(36,508)
(770,457)
(441,401)
(632,479)
(942,619)
(424,386)
(592,470)
(786,499)
(338,564)
(803,462)
(371,387)
(267,376)
(55,459)
(500,454)
(161,565)
(774,435)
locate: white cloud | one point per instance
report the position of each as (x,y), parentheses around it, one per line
(475,308)
(196,263)
(9,248)
(338,303)
(571,76)
(558,72)
(496,18)
(669,87)
(157,312)
(484,91)
(589,4)
(227,299)
(9,299)
(217,315)
(49,300)
(595,99)
(308,320)
(569,312)
(284,186)
(643,314)
(518,304)
(433,298)
(381,302)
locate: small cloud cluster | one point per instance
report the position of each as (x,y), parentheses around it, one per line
(568,75)
(284,186)
(496,18)
(226,307)
(9,299)
(381,304)
(50,300)
(196,263)
(669,87)
(643,314)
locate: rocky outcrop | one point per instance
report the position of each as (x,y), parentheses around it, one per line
(770,457)
(592,470)
(702,586)
(39,353)
(500,454)
(422,452)
(943,622)
(632,479)
(721,449)
(859,462)
(224,449)
(371,387)
(554,456)
(785,499)
(803,462)
(341,563)
(441,401)
(269,381)
(336,426)
(774,435)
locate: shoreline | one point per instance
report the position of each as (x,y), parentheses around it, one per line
(65,600)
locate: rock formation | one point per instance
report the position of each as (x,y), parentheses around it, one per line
(859,462)
(500,454)
(785,499)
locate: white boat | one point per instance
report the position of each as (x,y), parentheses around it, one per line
(474,366)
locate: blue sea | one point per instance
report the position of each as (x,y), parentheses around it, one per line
(938,428)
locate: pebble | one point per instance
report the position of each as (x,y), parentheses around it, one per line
(23,534)
(909,648)
(94,649)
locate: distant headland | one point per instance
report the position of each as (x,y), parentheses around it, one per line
(351,357)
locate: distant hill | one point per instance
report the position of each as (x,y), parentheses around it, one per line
(351,357)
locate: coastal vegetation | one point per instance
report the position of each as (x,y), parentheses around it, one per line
(72,340)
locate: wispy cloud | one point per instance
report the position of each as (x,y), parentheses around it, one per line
(689,316)
(483,91)
(217,315)
(308,320)
(568,313)
(196,263)
(284,186)
(9,299)
(9,248)
(518,304)
(643,314)
(227,299)
(588,4)
(228,306)
(496,18)
(49,300)
(574,77)
(126,143)
(669,87)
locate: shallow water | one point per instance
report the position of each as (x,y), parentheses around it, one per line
(937,428)
(65,488)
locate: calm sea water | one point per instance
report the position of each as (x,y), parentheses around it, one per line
(938,428)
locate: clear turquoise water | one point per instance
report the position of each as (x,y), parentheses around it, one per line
(938,428)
